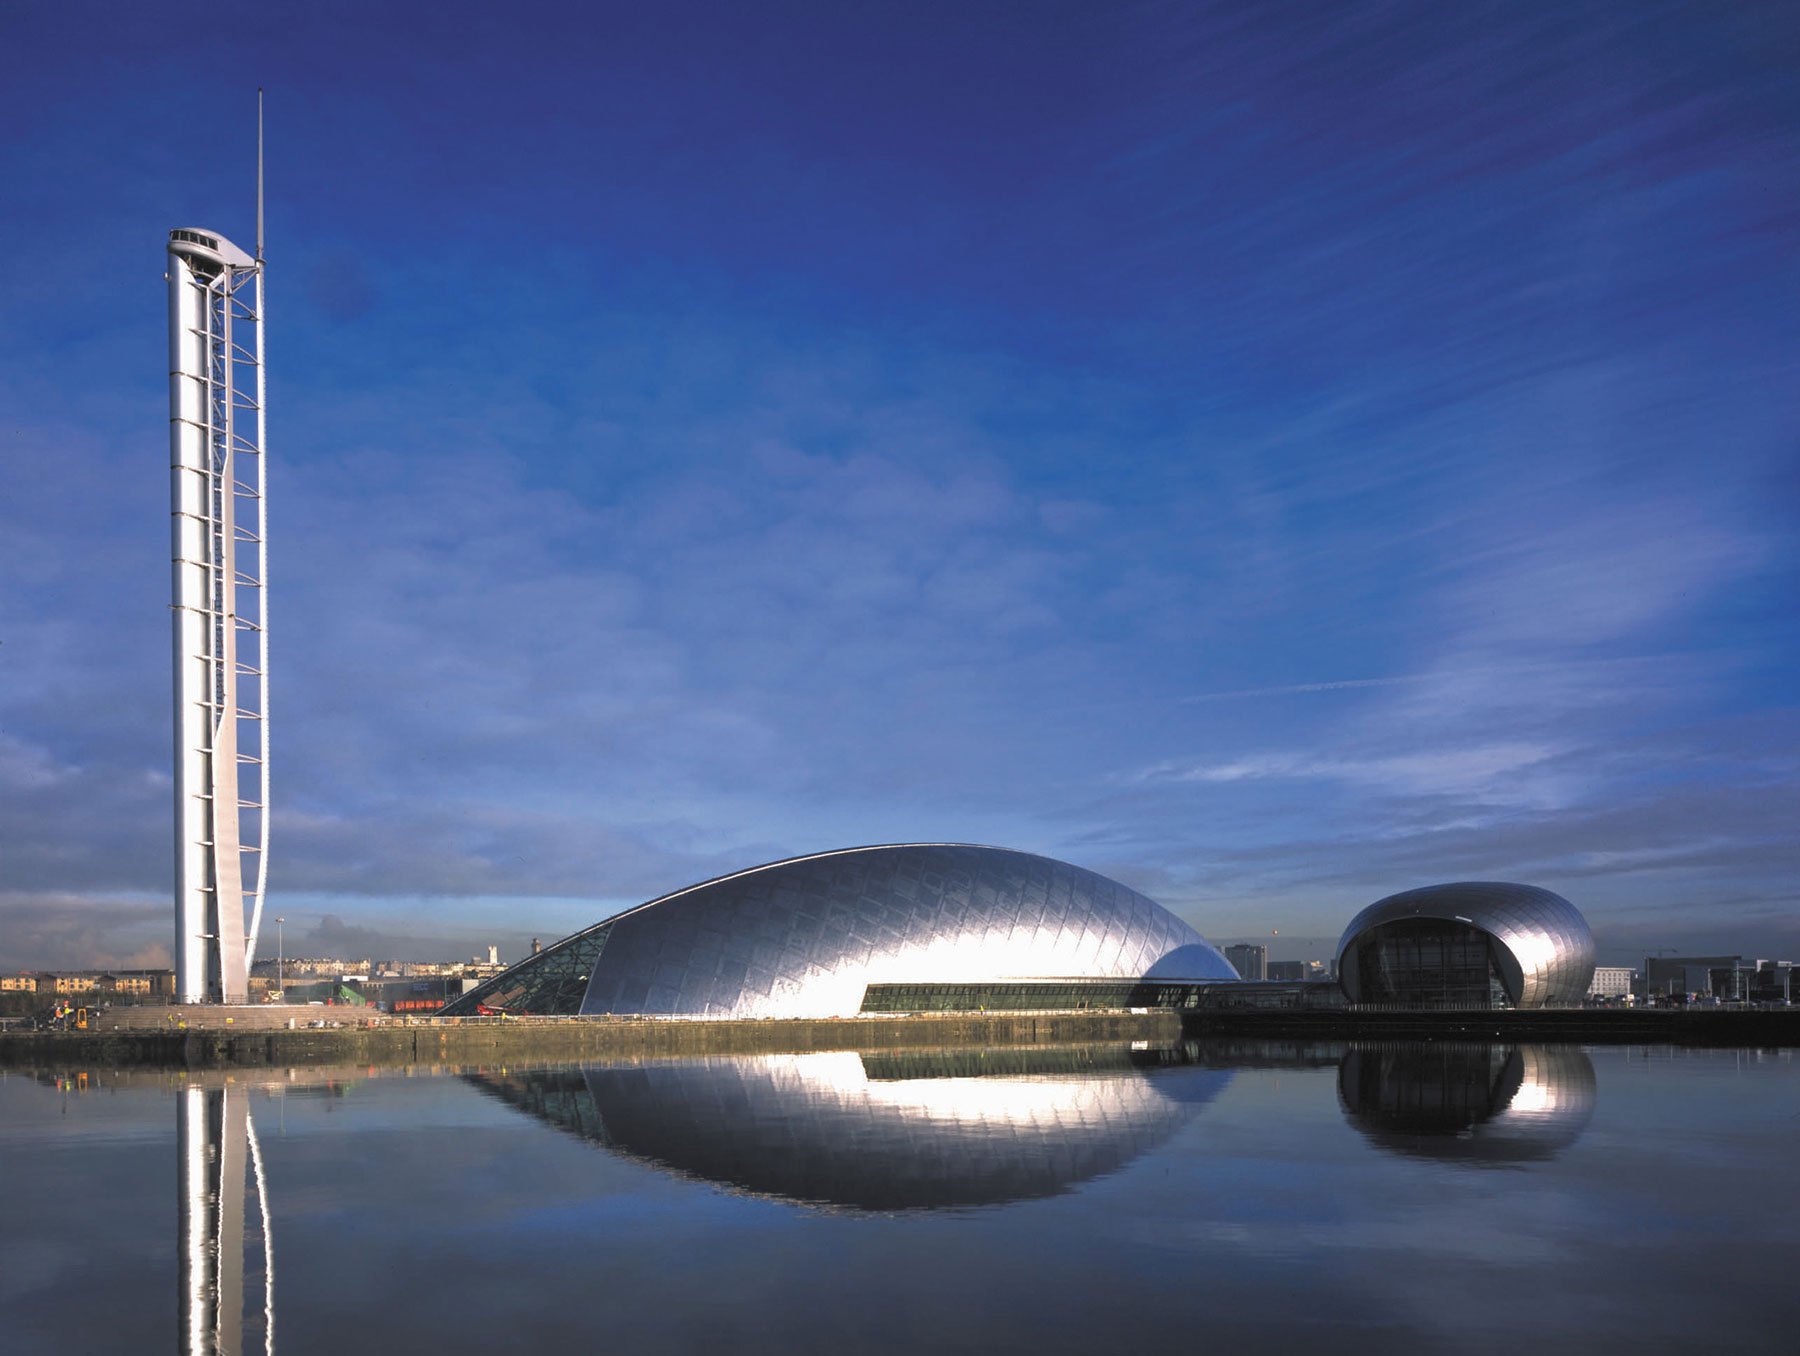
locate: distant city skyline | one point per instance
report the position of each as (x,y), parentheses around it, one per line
(1272,459)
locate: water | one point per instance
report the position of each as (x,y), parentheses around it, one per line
(1082,1199)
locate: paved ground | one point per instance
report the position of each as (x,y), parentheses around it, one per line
(263,1017)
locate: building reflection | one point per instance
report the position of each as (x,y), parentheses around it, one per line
(221,1166)
(1474,1104)
(880,1132)
(890,1131)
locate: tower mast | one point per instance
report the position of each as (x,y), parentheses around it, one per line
(219,520)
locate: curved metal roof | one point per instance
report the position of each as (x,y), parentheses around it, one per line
(208,248)
(805,937)
(1548,951)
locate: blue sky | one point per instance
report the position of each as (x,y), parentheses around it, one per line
(1274,456)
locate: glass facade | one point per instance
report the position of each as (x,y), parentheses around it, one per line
(1309,995)
(1078,996)
(1468,944)
(550,983)
(1047,997)
(1424,963)
(807,937)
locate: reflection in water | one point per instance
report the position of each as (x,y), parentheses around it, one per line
(1475,1104)
(881,1131)
(218,1141)
(897,1131)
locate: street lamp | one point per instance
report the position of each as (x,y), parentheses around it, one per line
(280,958)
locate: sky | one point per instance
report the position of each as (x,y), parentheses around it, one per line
(1273,456)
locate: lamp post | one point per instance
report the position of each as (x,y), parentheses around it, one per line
(280,958)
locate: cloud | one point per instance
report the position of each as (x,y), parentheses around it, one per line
(28,768)
(1495,769)
(47,931)
(1601,575)
(1497,671)
(98,826)
(491,687)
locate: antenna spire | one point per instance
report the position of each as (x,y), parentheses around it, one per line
(259,174)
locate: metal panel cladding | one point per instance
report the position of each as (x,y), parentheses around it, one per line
(1544,936)
(804,938)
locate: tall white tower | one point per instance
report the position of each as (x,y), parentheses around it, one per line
(219,532)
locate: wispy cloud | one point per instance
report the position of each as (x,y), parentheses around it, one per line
(1498,670)
(69,931)
(1463,771)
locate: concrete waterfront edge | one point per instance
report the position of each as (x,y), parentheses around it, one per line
(428,1040)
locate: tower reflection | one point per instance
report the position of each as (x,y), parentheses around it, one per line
(218,1146)
(1474,1104)
(880,1132)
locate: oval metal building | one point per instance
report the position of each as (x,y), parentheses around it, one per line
(807,936)
(1468,944)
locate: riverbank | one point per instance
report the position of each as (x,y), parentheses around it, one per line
(1717,1027)
(490,1040)
(223,1038)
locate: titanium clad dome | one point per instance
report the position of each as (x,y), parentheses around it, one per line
(1541,950)
(806,937)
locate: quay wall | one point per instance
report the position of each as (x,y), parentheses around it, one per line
(211,1042)
(1585,1026)
(485,1041)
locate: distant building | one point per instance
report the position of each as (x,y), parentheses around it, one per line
(1773,982)
(1730,983)
(114,984)
(1288,972)
(1611,981)
(1248,959)
(1761,981)
(313,967)
(127,984)
(1680,976)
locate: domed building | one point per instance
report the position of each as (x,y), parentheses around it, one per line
(928,924)
(1468,944)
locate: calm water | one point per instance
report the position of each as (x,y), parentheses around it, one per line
(1083,1199)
